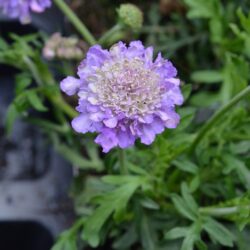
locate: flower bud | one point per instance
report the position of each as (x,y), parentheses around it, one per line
(131,16)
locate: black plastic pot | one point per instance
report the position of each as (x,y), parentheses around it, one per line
(26,235)
(34,179)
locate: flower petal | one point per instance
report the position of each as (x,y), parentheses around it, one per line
(70,85)
(81,124)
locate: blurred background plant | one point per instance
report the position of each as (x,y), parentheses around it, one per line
(190,188)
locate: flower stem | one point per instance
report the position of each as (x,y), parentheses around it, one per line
(121,157)
(76,21)
(64,106)
(204,130)
(110,33)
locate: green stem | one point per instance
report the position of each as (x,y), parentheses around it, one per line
(123,166)
(57,100)
(33,69)
(48,125)
(205,129)
(221,211)
(107,35)
(76,21)
(64,106)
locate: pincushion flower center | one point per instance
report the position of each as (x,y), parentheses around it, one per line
(127,86)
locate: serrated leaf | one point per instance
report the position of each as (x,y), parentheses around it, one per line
(233,163)
(183,208)
(35,101)
(235,76)
(127,239)
(149,203)
(201,8)
(186,165)
(147,234)
(218,232)
(244,21)
(75,158)
(176,233)
(241,147)
(192,236)
(109,203)
(189,198)
(23,80)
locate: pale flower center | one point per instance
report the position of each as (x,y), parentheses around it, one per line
(127,86)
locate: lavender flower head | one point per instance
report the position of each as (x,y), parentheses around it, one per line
(124,95)
(21,8)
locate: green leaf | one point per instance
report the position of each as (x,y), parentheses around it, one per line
(147,234)
(233,163)
(23,80)
(207,76)
(195,183)
(201,8)
(235,73)
(192,236)
(76,158)
(120,180)
(109,203)
(68,239)
(244,21)
(35,101)
(3,45)
(149,203)
(218,232)
(176,233)
(186,91)
(241,147)
(186,166)
(127,239)
(205,99)
(12,115)
(186,194)
(183,208)
(187,115)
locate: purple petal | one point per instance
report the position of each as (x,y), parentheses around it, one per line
(111,122)
(70,85)
(118,50)
(125,139)
(135,49)
(148,135)
(107,139)
(82,123)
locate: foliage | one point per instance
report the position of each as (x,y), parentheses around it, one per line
(179,193)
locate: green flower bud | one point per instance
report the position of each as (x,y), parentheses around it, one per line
(131,16)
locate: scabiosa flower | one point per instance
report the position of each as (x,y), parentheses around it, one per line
(124,95)
(59,47)
(21,8)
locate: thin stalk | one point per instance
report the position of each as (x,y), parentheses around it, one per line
(64,106)
(78,24)
(48,125)
(218,115)
(107,35)
(121,156)
(222,211)
(33,69)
